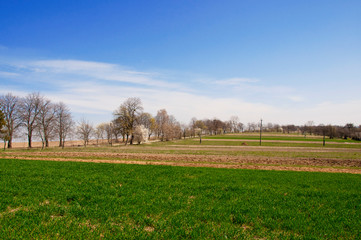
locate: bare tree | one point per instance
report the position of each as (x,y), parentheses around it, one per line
(3,134)
(168,127)
(118,128)
(240,126)
(10,106)
(63,122)
(2,120)
(252,126)
(174,129)
(186,130)
(234,121)
(109,130)
(100,131)
(162,120)
(200,127)
(127,115)
(85,131)
(148,121)
(46,121)
(30,109)
(309,126)
(145,120)
(193,126)
(217,126)
(349,127)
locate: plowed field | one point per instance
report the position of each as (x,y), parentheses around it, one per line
(315,159)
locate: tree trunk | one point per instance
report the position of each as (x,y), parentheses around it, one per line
(10,141)
(46,141)
(126,142)
(29,140)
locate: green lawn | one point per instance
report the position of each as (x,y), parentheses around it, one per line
(69,200)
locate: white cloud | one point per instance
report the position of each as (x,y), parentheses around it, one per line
(334,112)
(97,70)
(102,99)
(234,81)
(296,98)
(8,74)
(97,89)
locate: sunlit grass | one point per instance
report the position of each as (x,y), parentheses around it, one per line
(68,200)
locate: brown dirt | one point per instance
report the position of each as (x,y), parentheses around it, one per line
(278,141)
(245,162)
(256,148)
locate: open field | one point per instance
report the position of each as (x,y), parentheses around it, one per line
(71,143)
(225,151)
(69,200)
(74,193)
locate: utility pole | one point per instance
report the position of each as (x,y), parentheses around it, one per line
(260,134)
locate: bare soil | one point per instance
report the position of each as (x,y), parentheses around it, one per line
(278,141)
(244,162)
(258,148)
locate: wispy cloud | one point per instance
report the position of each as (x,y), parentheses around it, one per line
(296,98)
(96,70)
(96,89)
(249,86)
(234,81)
(8,74)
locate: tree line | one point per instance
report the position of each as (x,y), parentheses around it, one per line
(36,116)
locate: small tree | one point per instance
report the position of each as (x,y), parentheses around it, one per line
(127,115)
(63,122)
(10,106)
(162,120)
(140,134)
(29,110)
(109,131)
(2,120)
(85,131)
(3,132)
(200,126)
(100,131)
(46,121)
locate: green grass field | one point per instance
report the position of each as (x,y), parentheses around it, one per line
(68,200)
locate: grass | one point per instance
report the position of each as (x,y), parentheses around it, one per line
(267,136)
(226,143)
(69,200)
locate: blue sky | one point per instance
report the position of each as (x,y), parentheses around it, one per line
(283,61)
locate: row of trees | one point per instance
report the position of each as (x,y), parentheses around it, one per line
(132,125)
(35,115)
(137,126)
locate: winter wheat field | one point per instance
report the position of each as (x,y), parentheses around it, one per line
(291,187)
